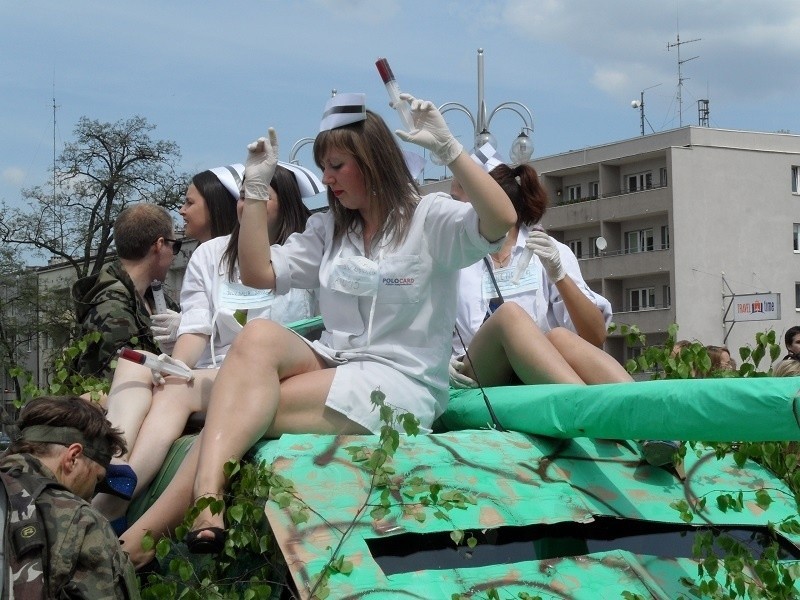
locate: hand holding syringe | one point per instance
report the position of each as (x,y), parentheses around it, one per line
(525,258)
(157,365)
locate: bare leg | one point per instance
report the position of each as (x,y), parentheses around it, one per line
(166,513)
(266,366)
(172,405)
(509,342)
(170,409)
(129,399)
(590,362)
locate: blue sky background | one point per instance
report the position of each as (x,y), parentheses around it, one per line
(213,76)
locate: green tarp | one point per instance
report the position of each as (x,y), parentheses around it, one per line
(731,409)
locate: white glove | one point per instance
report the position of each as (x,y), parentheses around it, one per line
(158,378)
(457,379)
(545,248)
(165,329)
(262,156)
(431,131)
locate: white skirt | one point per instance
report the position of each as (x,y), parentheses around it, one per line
(355,380)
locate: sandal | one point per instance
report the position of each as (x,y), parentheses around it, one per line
(206,545)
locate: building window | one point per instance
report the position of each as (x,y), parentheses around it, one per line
(667,296)
(640,181)
(795,180)
(594,189)
(662,177)
(642,298)
(665,237)
(797,237)
(797,296)
(639,241)
(575,246)
(593,246)
(573,193)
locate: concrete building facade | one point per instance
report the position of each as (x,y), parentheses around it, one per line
(691,218)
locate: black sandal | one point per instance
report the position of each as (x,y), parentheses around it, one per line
(206,545)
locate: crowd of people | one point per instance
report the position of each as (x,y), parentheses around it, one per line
(417,294)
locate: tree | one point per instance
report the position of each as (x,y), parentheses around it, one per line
(18,330)
(107,167)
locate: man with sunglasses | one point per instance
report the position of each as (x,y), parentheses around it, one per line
(117,301)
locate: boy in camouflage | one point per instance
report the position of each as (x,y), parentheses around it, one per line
(55,544)
(117,301)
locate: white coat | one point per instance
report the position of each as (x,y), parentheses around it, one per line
(204,308)
(414,309)
(544,304)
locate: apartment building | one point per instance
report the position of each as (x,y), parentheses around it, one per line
(672,227)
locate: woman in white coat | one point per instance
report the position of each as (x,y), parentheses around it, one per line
(214,306)
(545,326)
(386,262)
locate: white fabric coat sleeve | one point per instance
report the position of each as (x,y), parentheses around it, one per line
(196,293)
(297,261)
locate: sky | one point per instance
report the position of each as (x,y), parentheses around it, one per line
(212,76)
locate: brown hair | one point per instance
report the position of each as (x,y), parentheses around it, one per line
(521,184)
(386,175)
(138,227)
(292,217)
(66,411)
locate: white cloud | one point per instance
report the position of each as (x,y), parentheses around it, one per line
(368,11)
(13,176)
(611,81)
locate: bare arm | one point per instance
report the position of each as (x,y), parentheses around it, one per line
(189,348)
(255,267)
(496,214)
(586,317)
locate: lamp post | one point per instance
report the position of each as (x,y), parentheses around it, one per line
(296,148)
(522,147)
(640,105)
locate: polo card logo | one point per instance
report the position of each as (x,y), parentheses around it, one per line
(397,281)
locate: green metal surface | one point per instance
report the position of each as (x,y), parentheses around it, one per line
(517,480)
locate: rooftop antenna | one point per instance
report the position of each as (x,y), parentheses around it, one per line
(681,79)
(55,195)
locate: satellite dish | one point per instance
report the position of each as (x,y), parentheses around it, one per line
(601,243)
(636,104)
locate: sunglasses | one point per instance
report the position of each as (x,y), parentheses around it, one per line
(176,245)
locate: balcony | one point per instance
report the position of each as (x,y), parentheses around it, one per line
(649,320)
(618,264)
(612,207)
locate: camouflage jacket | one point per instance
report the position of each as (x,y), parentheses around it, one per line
(80,557)
(107,302)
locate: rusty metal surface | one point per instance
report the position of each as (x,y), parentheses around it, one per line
(517,480)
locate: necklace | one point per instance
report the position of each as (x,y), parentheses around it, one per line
(501,260)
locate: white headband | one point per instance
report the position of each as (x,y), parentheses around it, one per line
(230,177)
(414,162)
(309,184)
(343,109)
(487,157)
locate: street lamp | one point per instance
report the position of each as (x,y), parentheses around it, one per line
(640,105)
(296,148)
(522,148)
